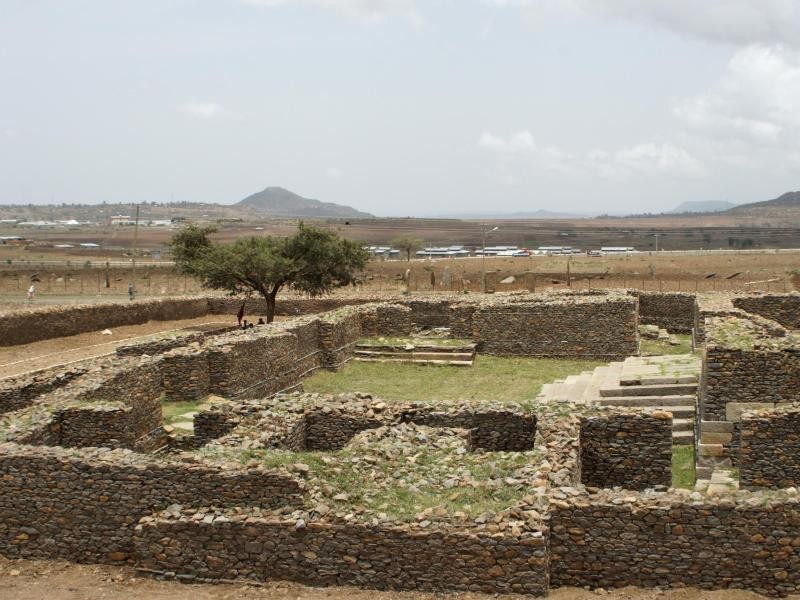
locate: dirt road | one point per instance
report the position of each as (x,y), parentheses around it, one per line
(45,580)
(47,353)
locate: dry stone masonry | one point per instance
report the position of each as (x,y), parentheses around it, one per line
(355,490)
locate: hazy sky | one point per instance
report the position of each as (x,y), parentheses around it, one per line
(401,106)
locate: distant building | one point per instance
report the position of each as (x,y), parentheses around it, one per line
(617,249)
(121,220)
(443,252)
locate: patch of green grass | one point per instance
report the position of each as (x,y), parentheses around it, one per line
(388,485)
(661,347)
(683,467)
(172,412)
(490,378)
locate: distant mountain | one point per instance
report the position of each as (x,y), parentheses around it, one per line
(279,202)
(789,200)
(701,206)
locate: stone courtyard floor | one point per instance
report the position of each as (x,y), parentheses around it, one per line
(51,580)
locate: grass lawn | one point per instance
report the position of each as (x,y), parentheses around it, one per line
(658,347)
(683,467)
(172,412)
(490,378)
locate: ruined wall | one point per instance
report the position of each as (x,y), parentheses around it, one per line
(674,312)
(632,451)
(781,308)
(604,328)
(769,455)
(19,392)
(104,425)
(493,430)
(321,554)
(665,540)
(392,320)
(732,375)
(83,505)
(139,388)
(339,331)
(58,321)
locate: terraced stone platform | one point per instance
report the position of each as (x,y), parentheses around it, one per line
(667,383)
(433,352)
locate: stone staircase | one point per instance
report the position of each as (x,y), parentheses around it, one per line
(668,383)
(461,355)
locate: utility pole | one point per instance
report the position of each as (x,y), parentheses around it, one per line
(132,286)
(484,233)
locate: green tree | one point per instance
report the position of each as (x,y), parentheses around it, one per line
(407,244)
(313,261)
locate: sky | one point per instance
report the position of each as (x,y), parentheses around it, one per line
(401,107)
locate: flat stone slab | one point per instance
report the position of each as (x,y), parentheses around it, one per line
(734,410)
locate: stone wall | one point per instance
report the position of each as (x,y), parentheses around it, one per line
(19,392)
(580,327)
(674,312)
(160,346)
(769,455)
(83,505)
(493,430)
(138,386)
(105,425)
(667,540)
(736,375)
(629,450)
(339,331)
(781,308)
(392,320)
(321,554)
(43,323)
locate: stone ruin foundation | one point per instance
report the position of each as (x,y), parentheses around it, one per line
(523,498)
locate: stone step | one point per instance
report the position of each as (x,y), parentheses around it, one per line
(710,450)
(421,355)
(713,437)
(717,426)
(680,438)
(436,348)
(657,380)
(650,390)
(681,424)
(654,401)
(454,363)
(703,473)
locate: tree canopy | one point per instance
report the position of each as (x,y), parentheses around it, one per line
(407,244)
(313,260)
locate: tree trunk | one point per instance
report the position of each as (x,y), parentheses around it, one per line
(270,299)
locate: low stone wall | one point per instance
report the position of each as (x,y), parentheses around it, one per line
(581,327)
(59,321)
(769,455)
(493,430)
(339,331)
(83,505)
(175,341)
(781,308)
(185,376)
(19,392)
(738,375)
(667,540)
(629,450)
(105,425)
(674,312)
(392,320)
(139,388)
(380,557)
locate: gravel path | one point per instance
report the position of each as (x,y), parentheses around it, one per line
(47,353)
(50,580)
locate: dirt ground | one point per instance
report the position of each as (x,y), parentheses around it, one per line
(39,355)
(49,580)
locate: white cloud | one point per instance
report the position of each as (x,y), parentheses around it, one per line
(334,172)
(363,10)
(206,111)
(521,152)
(740,22)
(756,99)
